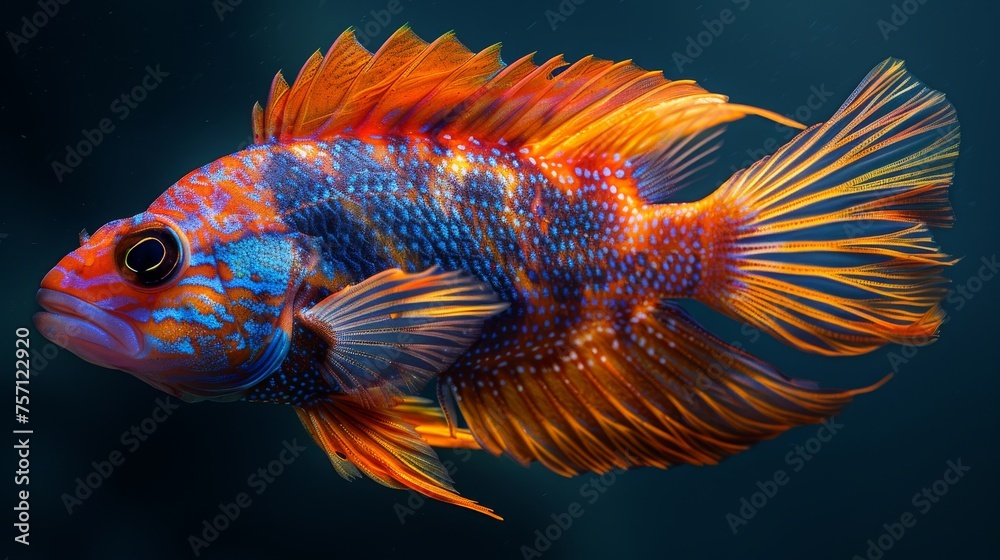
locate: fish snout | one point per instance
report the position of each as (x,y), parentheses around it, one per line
(54,279)
(92,333)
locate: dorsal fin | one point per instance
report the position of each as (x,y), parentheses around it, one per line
(592,108)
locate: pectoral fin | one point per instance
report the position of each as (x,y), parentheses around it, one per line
(391,333)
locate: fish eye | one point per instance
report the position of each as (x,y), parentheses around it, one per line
(148,257)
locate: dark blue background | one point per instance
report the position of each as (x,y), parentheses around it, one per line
(939,407)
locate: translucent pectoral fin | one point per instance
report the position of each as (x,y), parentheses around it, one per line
(391,333)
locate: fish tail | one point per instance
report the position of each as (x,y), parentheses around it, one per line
(825,244)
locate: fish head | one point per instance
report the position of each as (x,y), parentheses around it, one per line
(189,310)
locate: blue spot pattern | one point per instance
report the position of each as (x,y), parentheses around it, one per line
(562,248)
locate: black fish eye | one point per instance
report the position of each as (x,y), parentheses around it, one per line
(148,257)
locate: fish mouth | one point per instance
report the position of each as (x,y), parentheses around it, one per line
(94,334)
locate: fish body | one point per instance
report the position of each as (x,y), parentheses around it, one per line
(427,213)
(551,243)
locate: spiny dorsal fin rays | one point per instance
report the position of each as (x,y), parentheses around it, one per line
(625,89)
(513,102)
(341,64)
(300,88)
(432,65)
(588,110)
(275,106)
(257,120)
(571,82)
(454,88)
(467,113)
(374,79)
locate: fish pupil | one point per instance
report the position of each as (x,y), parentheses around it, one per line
(148,257)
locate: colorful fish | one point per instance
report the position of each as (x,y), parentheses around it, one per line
(429,213)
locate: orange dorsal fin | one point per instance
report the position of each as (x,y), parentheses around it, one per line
(592,108)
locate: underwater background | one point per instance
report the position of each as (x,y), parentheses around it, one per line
(909,471)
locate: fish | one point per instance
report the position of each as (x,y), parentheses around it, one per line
(427,248)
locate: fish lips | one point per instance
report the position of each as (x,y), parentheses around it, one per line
(94,334)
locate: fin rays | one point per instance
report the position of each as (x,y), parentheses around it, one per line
(879,171)
(384,445)
(592,109)
(394,331)
(650,389)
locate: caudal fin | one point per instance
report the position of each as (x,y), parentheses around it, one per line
(825,244)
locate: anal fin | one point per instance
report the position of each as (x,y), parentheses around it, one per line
(649,387)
